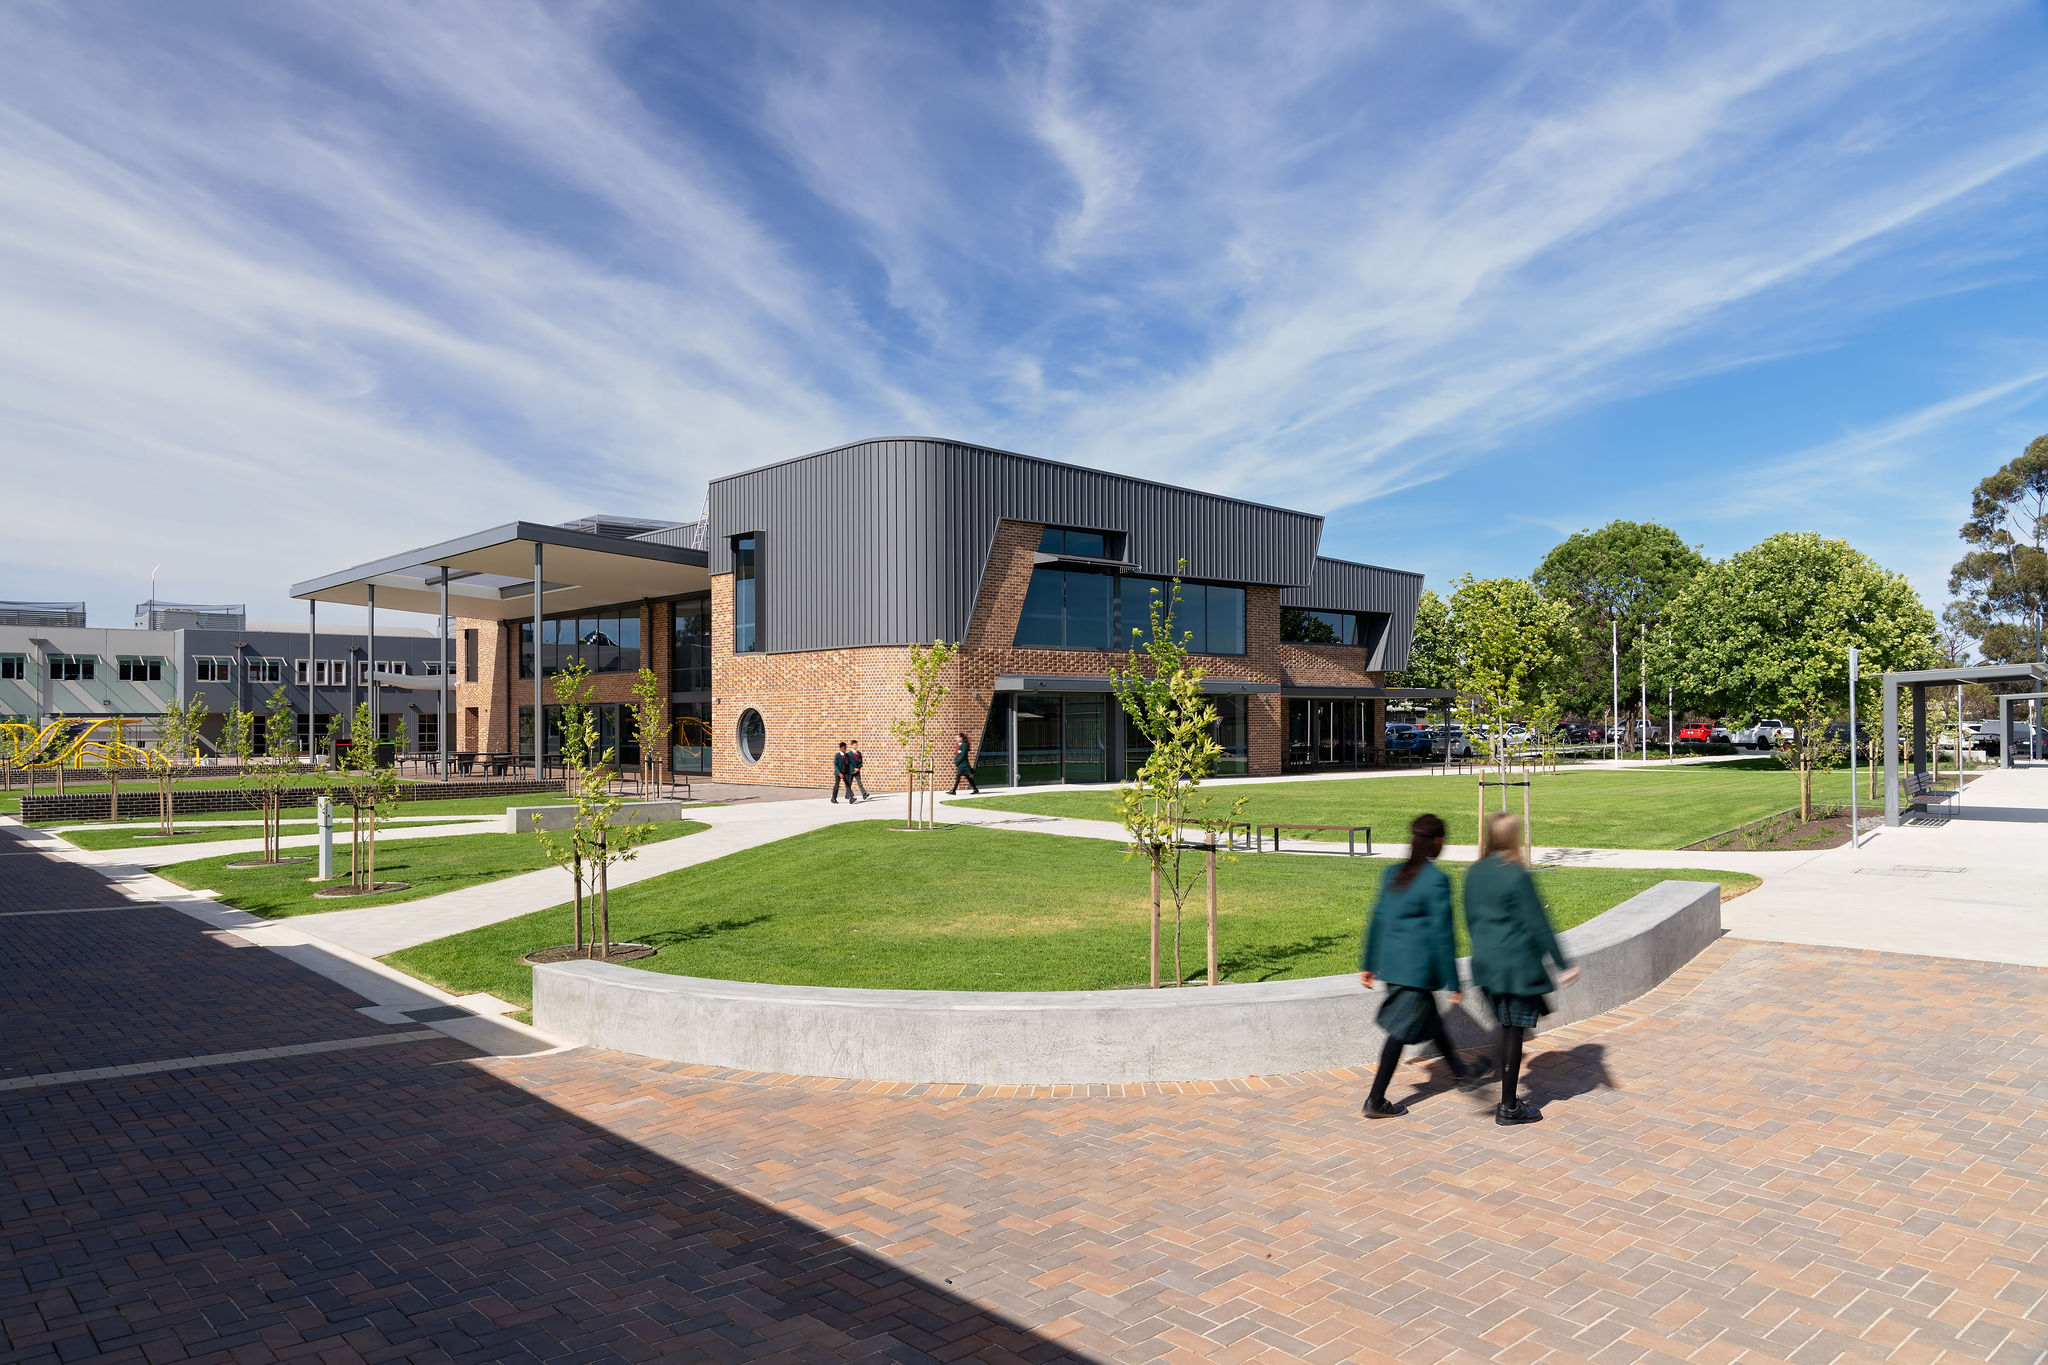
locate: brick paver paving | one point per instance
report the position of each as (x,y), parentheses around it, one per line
(1784,1154)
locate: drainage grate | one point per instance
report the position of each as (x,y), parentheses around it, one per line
(435,1014)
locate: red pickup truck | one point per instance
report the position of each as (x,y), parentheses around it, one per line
(1696,732)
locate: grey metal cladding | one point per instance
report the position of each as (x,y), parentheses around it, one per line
(1342,585)
(885,541)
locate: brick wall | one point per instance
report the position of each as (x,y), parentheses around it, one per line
(146,803)
(499,692)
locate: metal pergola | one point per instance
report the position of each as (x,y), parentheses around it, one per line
(497,575)
(1916,683)
(2005,702)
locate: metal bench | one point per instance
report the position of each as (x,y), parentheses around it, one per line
(1351,833)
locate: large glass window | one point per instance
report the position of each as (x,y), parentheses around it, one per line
(607,643)
(746,583)
(13,667)
(1210,616)
(690,663)
(690,741)
(150,670)
(74,667)
(1230,731)
(1068,609)
(1067,540)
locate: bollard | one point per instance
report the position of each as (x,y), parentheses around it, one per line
(326,838)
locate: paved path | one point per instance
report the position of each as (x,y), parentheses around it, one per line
(1785,1153)
(1971,884)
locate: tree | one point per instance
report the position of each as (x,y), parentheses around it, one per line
(650,726)
(1625,574)
(573,688)
(369,790)
(177,750)
(1510,643)
(595,840)
(1160,690)
(923,680)
(1767,632)
(2001,585)
(277,773)
(1432,657)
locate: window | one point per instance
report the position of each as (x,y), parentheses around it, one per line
(607,644)
(752,735)
(13,668)
(1067,540)
(433,667)
(299,667)
(337,672)
(209,668)
(1305,627)
(390,668)
(1209,618)
(746,605)
(469,648)
(141,670)
(690,656)
(690,747)
(72,667)
(427,733)
(264,670)
(1068,609)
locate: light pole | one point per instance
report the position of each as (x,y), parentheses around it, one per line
(1614,724)
(1855,838)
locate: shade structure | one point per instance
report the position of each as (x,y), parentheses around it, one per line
(490,574)
(1916,682)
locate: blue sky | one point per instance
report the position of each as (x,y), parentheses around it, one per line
(285,287)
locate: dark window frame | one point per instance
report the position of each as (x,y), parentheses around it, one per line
(1121,627)
(747,635)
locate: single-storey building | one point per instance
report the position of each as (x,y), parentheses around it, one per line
(781,624)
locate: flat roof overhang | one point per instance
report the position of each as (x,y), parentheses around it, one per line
(1057,682)
(1370,693)
(490,574)
(1974,673)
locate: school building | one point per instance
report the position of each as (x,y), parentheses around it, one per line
(782,622)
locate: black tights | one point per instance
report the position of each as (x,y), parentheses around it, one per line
(1390,1057)
(1510,1062)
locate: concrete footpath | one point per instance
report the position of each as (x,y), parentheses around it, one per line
(1971,882)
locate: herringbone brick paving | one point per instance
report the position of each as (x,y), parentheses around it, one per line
(1783,1154)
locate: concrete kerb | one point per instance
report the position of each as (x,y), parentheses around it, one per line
(1078,1037)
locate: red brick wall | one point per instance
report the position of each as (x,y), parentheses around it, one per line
(499,692)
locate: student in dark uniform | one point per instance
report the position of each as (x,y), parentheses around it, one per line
(1411,951)
(1513,948)
(854,760)
(842,774)
(963,766)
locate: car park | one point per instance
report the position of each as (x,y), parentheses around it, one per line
(1460,743)
(1696,732)
(1406,739)
(1765,734)
(1572,732)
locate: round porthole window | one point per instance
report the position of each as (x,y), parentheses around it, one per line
(753,735)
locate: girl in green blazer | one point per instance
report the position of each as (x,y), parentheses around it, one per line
(1409,948)
(1512,947)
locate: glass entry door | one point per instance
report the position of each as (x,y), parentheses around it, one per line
(1038,739)
(1062,738)
(1086,738)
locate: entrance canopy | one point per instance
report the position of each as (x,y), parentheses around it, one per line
(491,574)
(1916,682)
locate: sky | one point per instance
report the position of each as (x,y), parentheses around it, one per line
(288,287)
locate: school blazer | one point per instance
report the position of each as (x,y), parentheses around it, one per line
(1511,935)
(1408,941)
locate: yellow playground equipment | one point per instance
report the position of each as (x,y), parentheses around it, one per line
(71,742)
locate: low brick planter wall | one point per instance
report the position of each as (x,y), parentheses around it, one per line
(1079,1037)
(141,801)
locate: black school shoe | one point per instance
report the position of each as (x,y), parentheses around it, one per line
(1508,1115)
(1383,1109)
(1472,1077)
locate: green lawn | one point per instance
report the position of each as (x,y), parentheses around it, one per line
(191,830)
(432,866)
(1666,808)
(973,909)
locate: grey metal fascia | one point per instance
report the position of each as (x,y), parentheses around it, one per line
(510,533)
(1060,682)
(1975,673)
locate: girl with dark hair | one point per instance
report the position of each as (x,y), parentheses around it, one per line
(1410,949)
(1512,950)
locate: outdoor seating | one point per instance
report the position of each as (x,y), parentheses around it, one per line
(1257,835)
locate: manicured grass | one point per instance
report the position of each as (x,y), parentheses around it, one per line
(974,909)
(191,831)
(432,866)
(1666,808)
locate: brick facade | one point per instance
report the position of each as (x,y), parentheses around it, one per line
(485,713)
(811,700)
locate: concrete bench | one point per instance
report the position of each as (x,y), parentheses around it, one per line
(519,819)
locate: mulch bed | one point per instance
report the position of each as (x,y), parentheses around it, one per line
(570,952)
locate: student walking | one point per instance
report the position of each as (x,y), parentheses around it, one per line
(842,774)
(963,766)
(1512,945)
(1410,950)
(854,760)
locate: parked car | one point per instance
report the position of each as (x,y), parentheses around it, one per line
(1720,735)
(1406,739)
(1765,734)
(1696,732)
(1572,732)
(1460,744)
(1838,733)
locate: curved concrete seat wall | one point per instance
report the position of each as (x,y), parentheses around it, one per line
(1077,1037)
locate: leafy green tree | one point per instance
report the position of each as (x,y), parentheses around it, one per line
(2001,585)
(595,839)
(1160,689)
(1433,657)
(277,773)
(1510,642)
(574,687)
(1627,573)
(1767,632)
(370,789)
(650,726)
(924,680)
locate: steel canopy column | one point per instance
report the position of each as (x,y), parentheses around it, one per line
(370,688)
(2005,732)
(538,728)
(1891,752)
(312,663)
(441,723)
(1919,729)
